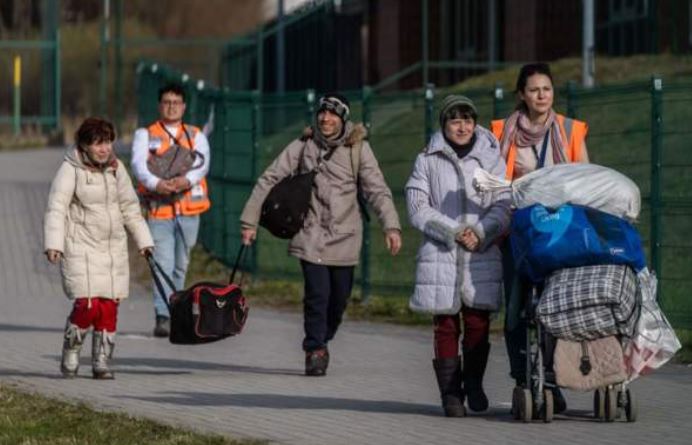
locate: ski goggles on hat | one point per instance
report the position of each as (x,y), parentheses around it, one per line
(335,106)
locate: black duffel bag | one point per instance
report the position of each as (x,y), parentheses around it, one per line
(205,312)
(286,206)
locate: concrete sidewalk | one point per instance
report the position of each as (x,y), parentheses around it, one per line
(380,388)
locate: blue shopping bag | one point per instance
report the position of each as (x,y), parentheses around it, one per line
(544,240)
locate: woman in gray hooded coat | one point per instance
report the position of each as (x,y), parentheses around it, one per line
(459,267)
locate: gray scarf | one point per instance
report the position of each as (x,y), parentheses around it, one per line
(334,141)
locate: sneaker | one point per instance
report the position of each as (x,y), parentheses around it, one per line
(316,362)
(162,326)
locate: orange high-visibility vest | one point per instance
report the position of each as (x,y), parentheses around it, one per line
(193,201)
(571,130)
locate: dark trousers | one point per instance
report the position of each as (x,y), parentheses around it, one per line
(517,295)
(327,289)
(447,330)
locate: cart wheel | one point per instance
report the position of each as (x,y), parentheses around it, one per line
(631,407)
(547,410)
(611,404)
(525,405)
(516,397)
(599,404)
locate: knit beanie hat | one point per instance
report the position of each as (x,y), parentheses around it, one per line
(337,104)
(454,100)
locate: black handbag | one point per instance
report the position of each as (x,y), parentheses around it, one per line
(286,206)
(205,312)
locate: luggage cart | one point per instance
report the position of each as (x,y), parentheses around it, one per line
(534,401)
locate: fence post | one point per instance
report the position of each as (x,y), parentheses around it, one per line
(309,107)
(17,88)
(656,161)
(57,93)
(425,42)
(260,59)
(429,106)
(119,12)
(103,59)
(366,250)
(191,101)
(571,99)
(498,99)
(256,101)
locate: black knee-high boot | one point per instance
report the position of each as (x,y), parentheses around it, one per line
(475,361)
(448,373)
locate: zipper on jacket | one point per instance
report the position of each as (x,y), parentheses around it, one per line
(460,253)
(110,233)
(88,275)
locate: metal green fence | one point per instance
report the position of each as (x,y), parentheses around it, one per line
(639,129)
(38,102)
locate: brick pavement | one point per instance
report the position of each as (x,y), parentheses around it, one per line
(380,388)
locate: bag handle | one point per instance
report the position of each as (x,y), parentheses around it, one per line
(156,269)
(241,251)
(320,158)
(540,160)
(187,135)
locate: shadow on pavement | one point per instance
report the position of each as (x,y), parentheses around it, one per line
(164,366)
(278,401)
(21,373)
(496,414)
(27,328)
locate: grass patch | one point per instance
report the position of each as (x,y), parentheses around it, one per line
(27,418)
(29,138)
(684,355)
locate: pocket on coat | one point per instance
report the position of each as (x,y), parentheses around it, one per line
(344,229)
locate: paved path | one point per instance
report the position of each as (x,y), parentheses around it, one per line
(380,388)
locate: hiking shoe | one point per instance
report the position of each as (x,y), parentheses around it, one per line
(316,362)
(162,326)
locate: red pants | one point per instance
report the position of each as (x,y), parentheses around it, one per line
(101,313)
(448,330)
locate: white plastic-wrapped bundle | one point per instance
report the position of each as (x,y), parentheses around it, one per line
(588,185)
(654,342)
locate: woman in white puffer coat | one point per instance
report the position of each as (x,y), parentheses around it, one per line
(458,266)
(91,203)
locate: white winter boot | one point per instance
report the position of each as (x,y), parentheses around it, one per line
(71,347)
(102,347)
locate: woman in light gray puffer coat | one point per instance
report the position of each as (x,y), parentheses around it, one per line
(459,267)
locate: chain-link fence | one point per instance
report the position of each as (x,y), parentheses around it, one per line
(638,129)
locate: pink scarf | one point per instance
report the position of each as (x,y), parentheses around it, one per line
(519,130)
